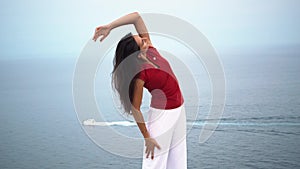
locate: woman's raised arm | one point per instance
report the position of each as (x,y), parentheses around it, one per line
(132,18)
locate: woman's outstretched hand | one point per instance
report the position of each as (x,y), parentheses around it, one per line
(101,31)
(150,144)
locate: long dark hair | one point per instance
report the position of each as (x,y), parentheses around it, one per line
(123,75)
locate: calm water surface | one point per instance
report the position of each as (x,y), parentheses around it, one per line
(259,127)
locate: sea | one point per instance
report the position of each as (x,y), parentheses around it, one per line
(259,127)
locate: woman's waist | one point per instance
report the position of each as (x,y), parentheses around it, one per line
(178,107)
(165,103)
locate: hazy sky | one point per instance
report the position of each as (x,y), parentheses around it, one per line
(59,27)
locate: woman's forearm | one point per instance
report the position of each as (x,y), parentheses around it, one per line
(138,116)
(131,18)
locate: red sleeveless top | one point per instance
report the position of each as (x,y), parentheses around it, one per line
(161,82)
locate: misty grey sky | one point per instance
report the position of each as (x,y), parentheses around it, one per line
(63,27)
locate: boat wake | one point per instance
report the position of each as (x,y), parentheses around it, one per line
(93,122)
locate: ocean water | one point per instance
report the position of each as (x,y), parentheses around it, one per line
(260,126)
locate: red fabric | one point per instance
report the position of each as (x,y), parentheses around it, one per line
(160,82)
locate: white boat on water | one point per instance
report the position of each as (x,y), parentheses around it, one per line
(93,122)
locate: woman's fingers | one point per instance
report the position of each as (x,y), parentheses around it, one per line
(148,154)
(157,146)
(97,33)
(95,36)
(150,151)
(101,31)
(103,37)
(150,146)
(152,154)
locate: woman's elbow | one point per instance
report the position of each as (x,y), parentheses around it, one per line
(137,14)
(135,109)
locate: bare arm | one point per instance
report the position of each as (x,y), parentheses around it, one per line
(136,103)
(132,18)
(150,143)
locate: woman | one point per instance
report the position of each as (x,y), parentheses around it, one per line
(138,64)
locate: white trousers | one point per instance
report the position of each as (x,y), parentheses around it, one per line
(168,128)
